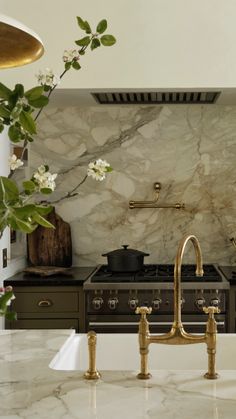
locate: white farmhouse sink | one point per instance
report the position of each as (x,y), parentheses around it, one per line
(121,352)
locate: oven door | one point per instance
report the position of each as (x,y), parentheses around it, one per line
(158,323)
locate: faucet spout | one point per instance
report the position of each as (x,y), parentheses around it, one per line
(177,273)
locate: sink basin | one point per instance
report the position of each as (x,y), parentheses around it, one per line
(121,352)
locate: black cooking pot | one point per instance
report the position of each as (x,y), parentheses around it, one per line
(125,260)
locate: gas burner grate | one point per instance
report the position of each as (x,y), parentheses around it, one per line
(157,273)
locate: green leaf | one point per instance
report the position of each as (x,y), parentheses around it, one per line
(3,223)
(42,221)
(12,223)
(14,134)
(67,66)
(1,128)
(95,44)
(4,300)
(4,92)
(16,111)
(46,88)
(11,315)
(27,122)
(83,42)
(34,93)
(46,191)
(39,102)
(42,210)
(109,169)
(81,52)
(76,65)
(12,101)
(29,186)
(84,25)
(19,90)
(24,212)
(102,26)
(108,40)
(9,192)
(24,226)
(4,112)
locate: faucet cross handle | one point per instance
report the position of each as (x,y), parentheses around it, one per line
(211,310)
(143,311)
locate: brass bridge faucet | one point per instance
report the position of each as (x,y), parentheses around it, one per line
(177,334)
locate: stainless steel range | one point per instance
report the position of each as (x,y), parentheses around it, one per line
(112,297)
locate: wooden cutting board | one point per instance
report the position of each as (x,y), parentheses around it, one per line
(49,247)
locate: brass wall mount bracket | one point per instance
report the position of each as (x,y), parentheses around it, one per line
(154,203)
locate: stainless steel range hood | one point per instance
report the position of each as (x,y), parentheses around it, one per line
(93,97)
(158,98)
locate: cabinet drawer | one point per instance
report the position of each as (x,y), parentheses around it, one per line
(45,302)
(43,324)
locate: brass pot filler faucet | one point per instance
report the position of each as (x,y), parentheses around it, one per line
(177,334)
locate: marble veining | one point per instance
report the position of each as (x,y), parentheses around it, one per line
(31,390)
(189,149)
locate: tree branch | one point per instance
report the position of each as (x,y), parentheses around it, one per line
(71,193)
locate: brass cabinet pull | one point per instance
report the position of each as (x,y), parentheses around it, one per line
(45,303)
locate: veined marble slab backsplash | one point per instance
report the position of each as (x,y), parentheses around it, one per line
(191,150)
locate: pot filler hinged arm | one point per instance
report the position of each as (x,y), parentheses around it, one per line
(154,204)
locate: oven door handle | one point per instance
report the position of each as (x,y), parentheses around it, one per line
(220,323)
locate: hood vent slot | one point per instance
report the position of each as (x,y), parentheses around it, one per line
(159,98)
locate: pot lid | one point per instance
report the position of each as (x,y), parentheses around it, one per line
(126,252)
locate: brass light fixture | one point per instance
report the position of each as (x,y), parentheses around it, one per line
(19,45)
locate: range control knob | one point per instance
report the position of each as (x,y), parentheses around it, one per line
(133,303)
(97,303)
(200,302)
(156,303)
(112,303)
(215,302)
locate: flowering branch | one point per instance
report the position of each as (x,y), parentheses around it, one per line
(97,170)
(71,193)
(16,111)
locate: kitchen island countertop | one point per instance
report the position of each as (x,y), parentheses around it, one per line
(30,389)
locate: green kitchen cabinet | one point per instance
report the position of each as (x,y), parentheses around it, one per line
(51,307)
(49,303)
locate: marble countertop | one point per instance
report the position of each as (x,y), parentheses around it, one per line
(31,390)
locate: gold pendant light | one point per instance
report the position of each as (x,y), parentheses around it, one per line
(19,45)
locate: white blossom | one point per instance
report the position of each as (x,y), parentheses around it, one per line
(70,55)
(22,101)
(44,179)
(48,78)
(98,169)
(14,162)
